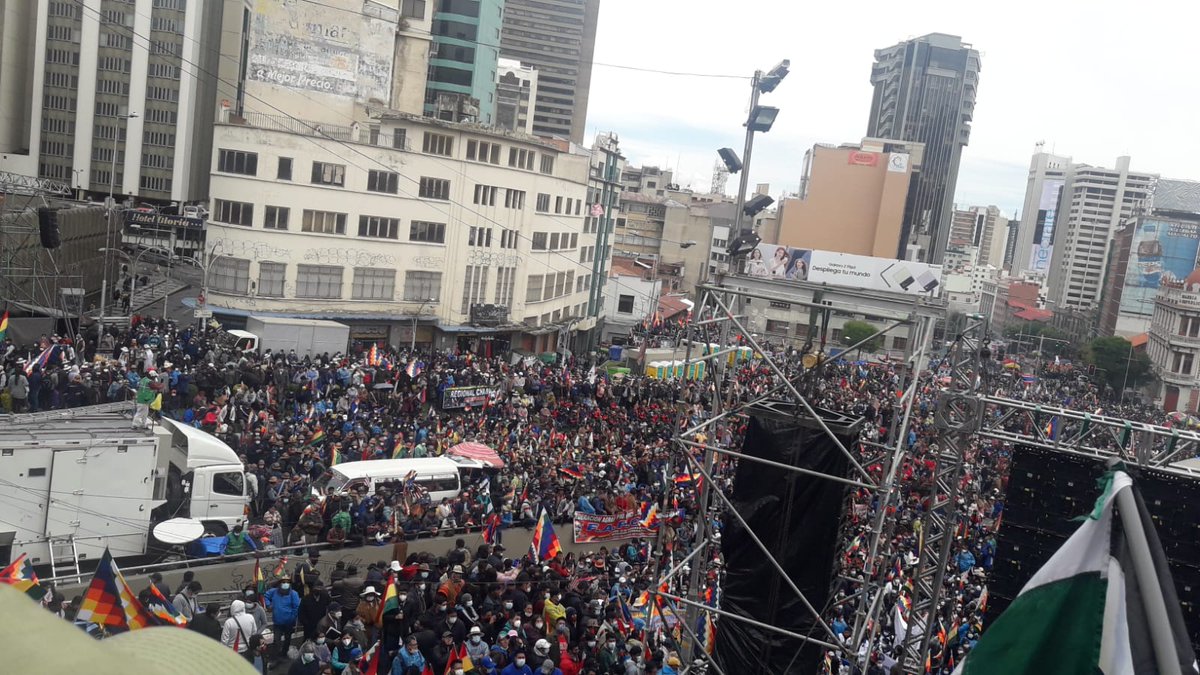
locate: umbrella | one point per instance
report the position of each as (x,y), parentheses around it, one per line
(477,451)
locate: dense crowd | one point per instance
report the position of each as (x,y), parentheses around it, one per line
(572,440)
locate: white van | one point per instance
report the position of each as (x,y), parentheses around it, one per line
(437,475)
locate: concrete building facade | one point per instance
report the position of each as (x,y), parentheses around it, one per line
(1174,344)
(852,198)
(557,37)
(463,60)
(451,234)
(925,92)
(1094,203)
(1034,240)
(605,165)
(516,96)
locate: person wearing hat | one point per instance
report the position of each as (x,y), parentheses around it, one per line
(443,652)
(368,611)
(477,647)
(452,587)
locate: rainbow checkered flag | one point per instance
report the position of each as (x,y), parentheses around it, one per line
(545,544)
(20,575)
(162,609)
(109,601)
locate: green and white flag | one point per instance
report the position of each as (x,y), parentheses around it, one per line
(1081,613)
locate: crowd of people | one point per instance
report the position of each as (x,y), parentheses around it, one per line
(572,439)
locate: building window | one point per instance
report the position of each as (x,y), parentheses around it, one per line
(625,304)
(514,199)
(521,159)
(539,241)
(429,233)
(437,144)
(237,161)
(533,288)
(505,280)
(483,151)
(777,327)
(485,195)
(324,173)
(229,275)
(574,240)
(554,241)
(318,281)
(543,203)
(420,286)
(547,166)
(284,171)
(508,238)
(378,226)
(383,181)
(434,188)
(479,236)
(275,218)
(474,287)
(270,279)
(233,213)
(323,222)
(412,9)
(400,139)
(374,284)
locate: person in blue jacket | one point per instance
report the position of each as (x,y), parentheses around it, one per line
(284,604)
(409,659)
(518,666)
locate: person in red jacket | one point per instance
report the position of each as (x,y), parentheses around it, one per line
(571,661)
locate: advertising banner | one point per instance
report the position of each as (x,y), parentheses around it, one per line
(589,527)
(1043,234)
(1162,250)
(454,398)
(844,269)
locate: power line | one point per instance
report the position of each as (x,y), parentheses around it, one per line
(314,129)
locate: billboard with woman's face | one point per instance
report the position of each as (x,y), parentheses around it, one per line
(779,262)
(844,269)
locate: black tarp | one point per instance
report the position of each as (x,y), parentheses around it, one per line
(797,517)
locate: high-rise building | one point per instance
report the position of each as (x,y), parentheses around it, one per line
(983,228)
(925,92)
(647,180)
(516,95)
(558,38)
(463,58)
(1094,203)
(1010,242)
(110,95)
(852,198)
(1034,243)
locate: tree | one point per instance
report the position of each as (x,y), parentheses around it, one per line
(853,331)
(1114,354)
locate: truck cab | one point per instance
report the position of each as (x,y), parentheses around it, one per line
(242,342)
(204,480)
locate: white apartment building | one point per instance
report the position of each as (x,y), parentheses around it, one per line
(407,228)
(629,297)
(1094,203)
(516,95)
(1035,233)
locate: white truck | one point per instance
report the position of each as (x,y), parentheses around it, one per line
(73,482)
(307,336)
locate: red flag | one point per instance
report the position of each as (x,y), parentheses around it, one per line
(372,667)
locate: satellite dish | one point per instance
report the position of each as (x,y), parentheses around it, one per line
(179,531)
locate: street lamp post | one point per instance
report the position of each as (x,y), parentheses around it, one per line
(110,204)
(412,345)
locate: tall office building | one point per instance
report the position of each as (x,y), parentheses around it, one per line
(983,228)
(557,37)
(925,92)
(1095,202)
(85,69)
(1034,241)
(463,60)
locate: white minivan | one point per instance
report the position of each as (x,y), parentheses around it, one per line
(437,475)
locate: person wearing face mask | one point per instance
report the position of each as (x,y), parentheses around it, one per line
(307,664)
(455,625)
(254,608)
(533,627)
(409,658)
(321,648)
(518,665)
(331,621)
(610,657)
(477,647)
(548,668)
(442,653)
(284,604)
(572,661)
(312,607)
(238,628)
(467,612)
(342,652)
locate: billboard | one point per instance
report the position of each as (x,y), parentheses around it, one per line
(313,47)
(592,528)
(1162,250)
(844,269)
(1043,233)
(454,398)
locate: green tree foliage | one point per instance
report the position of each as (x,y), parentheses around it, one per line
(1113,355)
(853,331)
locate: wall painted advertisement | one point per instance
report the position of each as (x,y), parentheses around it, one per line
(318,48)
(1162,250)
(1043,234)
(844,269)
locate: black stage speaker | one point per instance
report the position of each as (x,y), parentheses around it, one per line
(797,516)
(48,227)
(1047,490)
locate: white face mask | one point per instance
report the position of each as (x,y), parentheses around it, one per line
(451,620)
(458,671)
(508,605)
(403,597)
(475,639)
(307,658)
(347,642)
(320,640)
(519,662)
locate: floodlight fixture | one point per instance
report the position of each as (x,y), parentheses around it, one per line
(762,118)
(768,82)
(743,244)
(732,163)
(756,204)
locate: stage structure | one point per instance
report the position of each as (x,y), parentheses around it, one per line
(964,415)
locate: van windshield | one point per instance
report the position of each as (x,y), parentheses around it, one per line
(333,481)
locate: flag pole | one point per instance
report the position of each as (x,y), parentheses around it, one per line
(1161,635)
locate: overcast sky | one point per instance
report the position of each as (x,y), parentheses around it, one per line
(1094,80)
